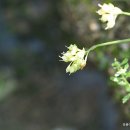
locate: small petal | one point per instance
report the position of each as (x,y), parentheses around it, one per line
(104,18)
(81,54)
(111,22)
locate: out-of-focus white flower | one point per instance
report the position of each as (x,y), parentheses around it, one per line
(109,14)
(76,57)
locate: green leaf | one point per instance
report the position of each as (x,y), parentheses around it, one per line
(115,79)
(124,61)
(126,66)
(125,98)
(122,83)
(128,74)
(127,88)
(115,64)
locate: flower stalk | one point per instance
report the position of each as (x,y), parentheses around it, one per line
(126,13)
(109,43)
(124,41)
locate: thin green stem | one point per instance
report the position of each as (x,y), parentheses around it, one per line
(126,13)
(108,43)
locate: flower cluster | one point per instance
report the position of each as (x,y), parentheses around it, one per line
(76,57)
(109,14)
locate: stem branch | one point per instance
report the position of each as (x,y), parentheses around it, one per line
(109,43)
(126,13)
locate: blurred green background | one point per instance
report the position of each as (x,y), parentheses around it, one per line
(35,91)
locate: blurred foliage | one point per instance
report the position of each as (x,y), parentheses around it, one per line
(7,83)
(121,77)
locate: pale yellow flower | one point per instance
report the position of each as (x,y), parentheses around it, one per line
(76,57)
(109,14)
